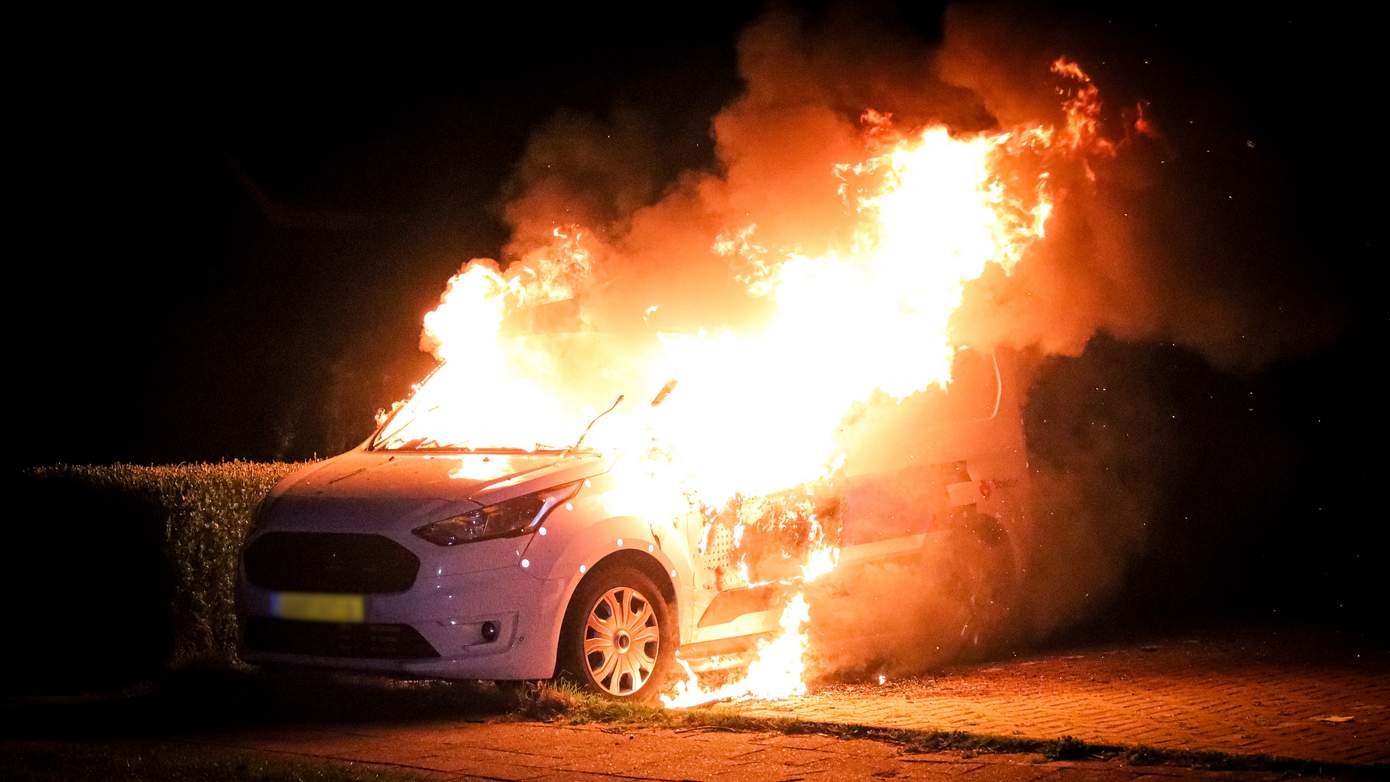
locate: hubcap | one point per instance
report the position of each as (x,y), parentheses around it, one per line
(621,641)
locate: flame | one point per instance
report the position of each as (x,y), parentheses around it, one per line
(932,210)
(779,666)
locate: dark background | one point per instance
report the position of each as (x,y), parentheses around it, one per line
(233,223)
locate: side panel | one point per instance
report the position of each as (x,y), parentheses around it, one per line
(913,469)
(576,537)
(909,466)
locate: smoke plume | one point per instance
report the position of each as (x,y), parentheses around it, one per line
(1131,252)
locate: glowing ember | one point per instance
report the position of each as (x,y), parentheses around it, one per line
(931,211)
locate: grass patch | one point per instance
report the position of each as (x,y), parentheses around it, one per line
(1142,756)
(564,703)
(178,763)
(1066,748)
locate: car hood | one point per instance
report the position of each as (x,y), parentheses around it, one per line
(364,489)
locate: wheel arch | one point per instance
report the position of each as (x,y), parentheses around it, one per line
(639,560)
(628,559)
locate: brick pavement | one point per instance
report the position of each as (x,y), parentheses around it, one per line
(1256,692)
(1245,693)
(457,750)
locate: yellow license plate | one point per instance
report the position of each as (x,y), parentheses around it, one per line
(319,608)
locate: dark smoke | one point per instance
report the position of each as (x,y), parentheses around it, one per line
(1135,254)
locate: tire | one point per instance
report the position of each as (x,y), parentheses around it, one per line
(628,659)
(979,576)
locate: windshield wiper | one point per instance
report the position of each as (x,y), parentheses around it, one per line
(585,433)
(382,439)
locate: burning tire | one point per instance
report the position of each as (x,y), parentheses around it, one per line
(619,637)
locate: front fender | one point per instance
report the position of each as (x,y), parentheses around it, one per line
(578,536)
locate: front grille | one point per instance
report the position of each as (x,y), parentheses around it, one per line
(330,562)
(335,639)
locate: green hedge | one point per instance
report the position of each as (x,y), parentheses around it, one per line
(188,521)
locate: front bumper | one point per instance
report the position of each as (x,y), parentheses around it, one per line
(446,609)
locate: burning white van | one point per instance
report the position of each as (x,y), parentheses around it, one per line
(508,561)
(824,417)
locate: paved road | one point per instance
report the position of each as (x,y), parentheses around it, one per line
(1273,692)
(457,750)
(1298,696)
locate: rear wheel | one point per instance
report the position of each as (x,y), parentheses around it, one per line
(978,577)
(619,638)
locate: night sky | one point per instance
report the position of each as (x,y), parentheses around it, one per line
(239,218)
(242,225)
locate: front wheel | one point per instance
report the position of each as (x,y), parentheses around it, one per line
(619,638)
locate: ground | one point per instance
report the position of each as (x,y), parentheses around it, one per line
(528,751)
(1279,692)
(1255,704)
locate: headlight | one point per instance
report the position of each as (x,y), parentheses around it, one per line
(516,516)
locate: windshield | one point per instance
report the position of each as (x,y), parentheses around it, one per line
(523,393)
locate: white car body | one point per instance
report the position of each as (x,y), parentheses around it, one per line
(522,585)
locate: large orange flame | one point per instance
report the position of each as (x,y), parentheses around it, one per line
(932,210)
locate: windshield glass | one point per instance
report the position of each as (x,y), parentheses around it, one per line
(530,392)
